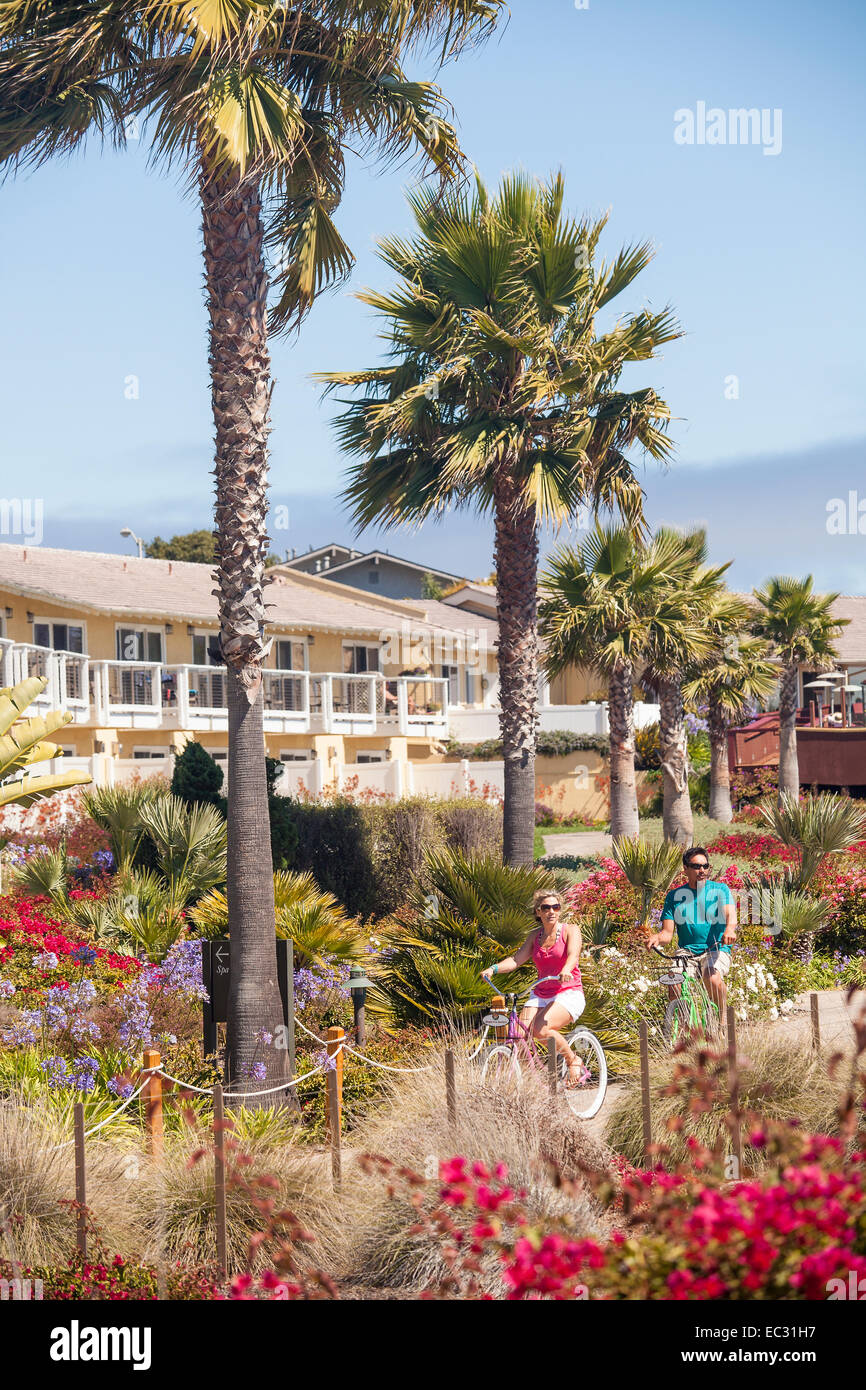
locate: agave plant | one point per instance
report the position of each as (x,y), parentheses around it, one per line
(817,827)
(118,810)
(26,742)
(316,923)
(649,868)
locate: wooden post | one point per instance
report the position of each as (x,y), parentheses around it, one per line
(646,1107)
(334,1128)
(497,1005)
(336,1036)
(734,1093)
(450,1087)
(219,1177)
(80,1181)
(551,1066)
(153,1104)
(816,1021)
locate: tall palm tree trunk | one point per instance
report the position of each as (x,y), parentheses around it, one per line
(240,390)
(789,767)
(677,822)
(516,556)
(720,773)
(624,818)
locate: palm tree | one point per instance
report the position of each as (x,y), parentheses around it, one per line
(502,397)
(677,639)
(802,631)
(596,602)
(256,103)
(736,672)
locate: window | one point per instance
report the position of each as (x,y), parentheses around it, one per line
(469,678)
(373,576)
(150,752)
(370,756)
(295,755)
(452,676)
(63,637)
(290,655)
(358,659)
(139,644)
(200,643)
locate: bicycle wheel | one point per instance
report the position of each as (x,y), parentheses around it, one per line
(501,1066)
(587,1098)
(678,1020)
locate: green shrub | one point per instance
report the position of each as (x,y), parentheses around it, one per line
(550,743)
(574,862)
(197,776)
(369,855)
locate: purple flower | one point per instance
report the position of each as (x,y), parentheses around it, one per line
(120,1088)
(19,1035)
(84,955)
(7,989)
(263,1036)
(58,1075)
(46,960)
(257,1071)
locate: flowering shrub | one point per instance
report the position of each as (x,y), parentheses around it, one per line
(607,890)
(755,848)
(76,996)
(687,1234)
(628,984)
(752,784)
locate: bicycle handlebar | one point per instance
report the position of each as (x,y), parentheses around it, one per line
(682,954)
(543,980)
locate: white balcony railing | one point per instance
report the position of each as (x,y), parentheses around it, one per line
(67,674)
(127,694)
(150,695)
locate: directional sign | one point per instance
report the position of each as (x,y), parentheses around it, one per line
(215,970)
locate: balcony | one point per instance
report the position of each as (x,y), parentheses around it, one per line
(67,673)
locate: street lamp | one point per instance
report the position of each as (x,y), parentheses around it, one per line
(359,984)
(138,541)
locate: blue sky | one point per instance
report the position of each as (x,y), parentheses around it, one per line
(760,254)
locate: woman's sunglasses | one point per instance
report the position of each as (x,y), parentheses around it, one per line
(550,907)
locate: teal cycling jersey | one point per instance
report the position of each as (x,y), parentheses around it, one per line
(699,917)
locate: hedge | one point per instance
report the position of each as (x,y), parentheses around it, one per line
(550,743)
(369,855)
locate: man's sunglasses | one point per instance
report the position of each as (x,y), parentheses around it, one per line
(700,868)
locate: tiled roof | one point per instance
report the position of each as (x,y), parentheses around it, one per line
(88,581)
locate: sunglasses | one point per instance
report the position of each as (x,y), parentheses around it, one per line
(699,868)
(550,907)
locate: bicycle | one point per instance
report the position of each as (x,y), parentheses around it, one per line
(693,1008)
(502,1060)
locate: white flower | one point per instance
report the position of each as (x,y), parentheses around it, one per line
(751,983)
(774,1013)
(787,1006)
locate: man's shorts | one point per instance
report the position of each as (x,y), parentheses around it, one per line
(716,962)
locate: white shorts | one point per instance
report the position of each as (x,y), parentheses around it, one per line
(573,999)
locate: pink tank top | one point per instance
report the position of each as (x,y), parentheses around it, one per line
(550,962)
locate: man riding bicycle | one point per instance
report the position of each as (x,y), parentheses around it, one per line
(705,917)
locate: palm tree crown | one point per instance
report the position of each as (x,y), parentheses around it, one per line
(502,396)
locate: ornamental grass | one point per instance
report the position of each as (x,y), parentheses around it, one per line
(781,1079)
(523,1128)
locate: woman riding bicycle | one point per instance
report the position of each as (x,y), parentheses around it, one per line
(554,948)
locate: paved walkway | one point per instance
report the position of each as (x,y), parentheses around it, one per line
(581,842)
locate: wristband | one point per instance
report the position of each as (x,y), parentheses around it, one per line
(494,970)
